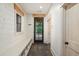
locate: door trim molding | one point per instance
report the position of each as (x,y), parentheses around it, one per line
(42,30)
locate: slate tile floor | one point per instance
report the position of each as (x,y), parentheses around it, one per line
(40,49)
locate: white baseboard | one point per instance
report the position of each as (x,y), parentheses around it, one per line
(26,50)
(53,53)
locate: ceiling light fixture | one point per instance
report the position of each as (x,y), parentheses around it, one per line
(41,7)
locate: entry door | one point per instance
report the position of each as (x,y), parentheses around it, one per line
(38,29)
(72,31)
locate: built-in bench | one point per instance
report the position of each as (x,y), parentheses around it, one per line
(26,49)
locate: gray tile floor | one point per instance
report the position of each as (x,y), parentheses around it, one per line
(40,49)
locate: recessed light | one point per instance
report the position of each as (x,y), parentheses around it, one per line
(41,7)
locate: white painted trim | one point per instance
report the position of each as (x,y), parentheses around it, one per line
(53,53)
(29,47)
(26,50)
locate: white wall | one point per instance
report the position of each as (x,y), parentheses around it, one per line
(6,27)
(30,30)
(46,38)
(12,42)
(57,43)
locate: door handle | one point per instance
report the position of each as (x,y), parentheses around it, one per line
(66,43)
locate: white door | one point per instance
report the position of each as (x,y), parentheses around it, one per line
(72,31)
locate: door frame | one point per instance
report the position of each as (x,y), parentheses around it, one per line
(42,41)
(49,28)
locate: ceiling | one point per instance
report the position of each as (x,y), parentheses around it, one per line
(36,7)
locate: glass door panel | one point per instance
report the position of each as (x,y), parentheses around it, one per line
(38,30)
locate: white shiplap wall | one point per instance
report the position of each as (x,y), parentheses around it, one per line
(11,42)
(57,41)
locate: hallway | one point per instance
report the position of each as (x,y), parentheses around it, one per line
(40,49)
(24,24)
